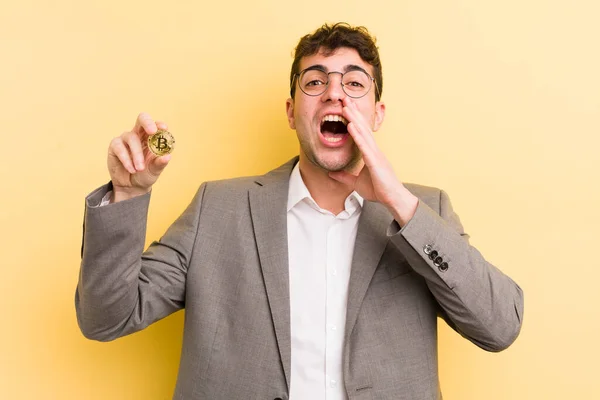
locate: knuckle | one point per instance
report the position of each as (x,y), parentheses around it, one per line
(124,136)
(124,158)
(115,142)
(130,138)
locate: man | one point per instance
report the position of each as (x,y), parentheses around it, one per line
(322,279)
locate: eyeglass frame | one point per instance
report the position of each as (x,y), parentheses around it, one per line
(323,69)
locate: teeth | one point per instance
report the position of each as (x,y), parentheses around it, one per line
(332,139)
(334,118)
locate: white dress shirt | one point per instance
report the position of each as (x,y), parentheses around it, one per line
(320,248)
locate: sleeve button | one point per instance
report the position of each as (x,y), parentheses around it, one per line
(443,267)
(427,249)
(438,261)
(433,255)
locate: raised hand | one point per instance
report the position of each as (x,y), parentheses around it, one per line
(377,180)
(132,166)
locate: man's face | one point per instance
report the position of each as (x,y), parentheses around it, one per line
(325,142)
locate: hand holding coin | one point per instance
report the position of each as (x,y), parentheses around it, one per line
(137,157)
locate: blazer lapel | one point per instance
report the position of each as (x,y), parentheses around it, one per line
(371,240)
(268,202)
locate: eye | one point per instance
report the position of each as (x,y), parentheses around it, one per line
(313,79)
(356,81)
(315,82)
(355,84)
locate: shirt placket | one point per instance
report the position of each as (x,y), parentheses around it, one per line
(334,327)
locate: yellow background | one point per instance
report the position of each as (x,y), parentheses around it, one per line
(498,102)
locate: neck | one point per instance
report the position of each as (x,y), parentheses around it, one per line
(328,193)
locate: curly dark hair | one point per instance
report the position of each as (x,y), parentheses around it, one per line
(329,38)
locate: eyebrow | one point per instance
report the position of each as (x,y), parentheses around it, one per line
(349,67)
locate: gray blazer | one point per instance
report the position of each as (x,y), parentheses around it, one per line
(225,260)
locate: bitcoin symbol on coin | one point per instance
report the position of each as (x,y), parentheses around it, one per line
(161,143)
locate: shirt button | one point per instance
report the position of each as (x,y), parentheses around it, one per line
(332,383)
(333,328)
(334,272)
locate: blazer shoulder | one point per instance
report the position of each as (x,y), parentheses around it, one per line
(235,186)
(229,187)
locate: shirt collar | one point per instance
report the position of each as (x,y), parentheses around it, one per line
(298,192)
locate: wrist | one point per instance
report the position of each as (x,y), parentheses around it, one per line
(404,206)
(124,193)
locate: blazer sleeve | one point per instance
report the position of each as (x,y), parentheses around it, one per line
(121,288)
(477,299)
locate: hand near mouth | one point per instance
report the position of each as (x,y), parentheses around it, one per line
(377,180)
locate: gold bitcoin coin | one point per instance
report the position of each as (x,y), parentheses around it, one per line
(161,143)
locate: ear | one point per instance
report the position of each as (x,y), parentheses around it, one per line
(289,109)
(379,115)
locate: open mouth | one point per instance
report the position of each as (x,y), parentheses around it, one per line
(333,128)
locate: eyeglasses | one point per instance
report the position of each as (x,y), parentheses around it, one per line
(356,83)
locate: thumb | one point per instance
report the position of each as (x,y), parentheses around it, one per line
(157,165)
(344,177)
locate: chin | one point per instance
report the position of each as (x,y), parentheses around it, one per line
(331,164)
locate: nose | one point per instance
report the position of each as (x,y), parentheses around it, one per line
(334,91)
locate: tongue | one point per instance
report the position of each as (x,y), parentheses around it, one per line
(330,135)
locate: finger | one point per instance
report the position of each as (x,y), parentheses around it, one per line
(356,128)
(356,118)
(360,130)
(121,151)
(156,166)
(135,148)
(361,118)
(369,151)
(162,125)
(353,108)
(344,177)
(360,122)
(145,124)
